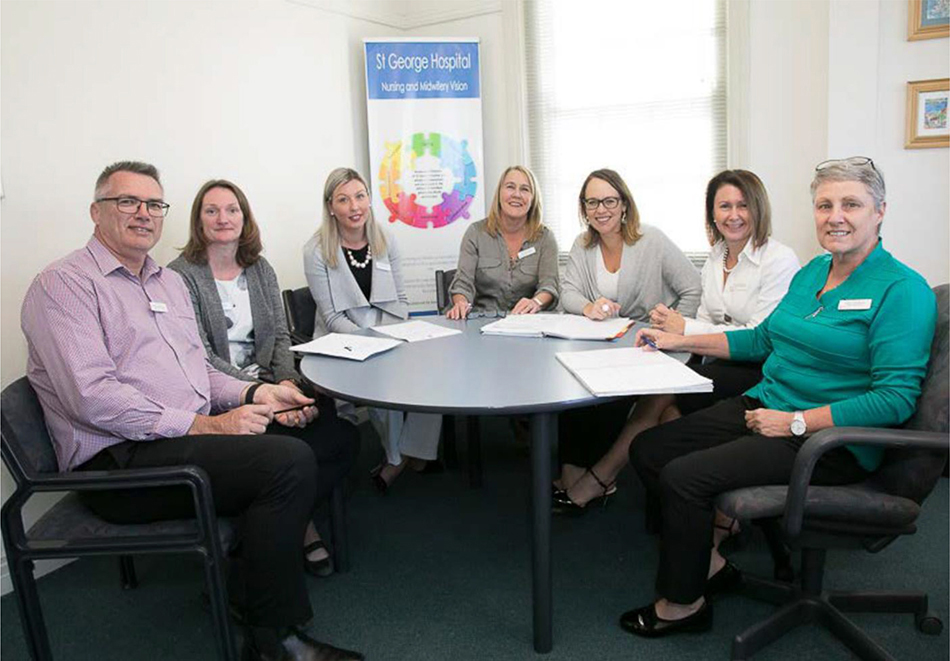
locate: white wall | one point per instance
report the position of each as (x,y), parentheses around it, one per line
(866,116)
(267,94)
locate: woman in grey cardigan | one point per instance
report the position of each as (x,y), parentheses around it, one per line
(616,267)
(241,322)
(355,276)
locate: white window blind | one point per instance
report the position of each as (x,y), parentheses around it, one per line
(638,87)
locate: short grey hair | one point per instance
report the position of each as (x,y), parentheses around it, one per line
(856,168)
(135,167)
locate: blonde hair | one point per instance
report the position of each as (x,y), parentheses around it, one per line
(533,221)
(630,227)
(328,234)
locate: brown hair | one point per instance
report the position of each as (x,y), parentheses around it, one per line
(756,199)
(533,221)
(630,227)
(249,245)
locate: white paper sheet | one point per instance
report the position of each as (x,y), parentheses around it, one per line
(567,326)
(351,347)
(416,331)
(632,371)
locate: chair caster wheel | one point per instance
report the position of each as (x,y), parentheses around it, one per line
(929,624)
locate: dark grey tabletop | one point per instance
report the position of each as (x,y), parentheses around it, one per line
(470,373)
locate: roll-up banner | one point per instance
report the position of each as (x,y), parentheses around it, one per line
(424,111)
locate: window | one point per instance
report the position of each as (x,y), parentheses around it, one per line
(638,87)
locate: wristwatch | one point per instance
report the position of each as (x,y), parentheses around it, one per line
(798,426)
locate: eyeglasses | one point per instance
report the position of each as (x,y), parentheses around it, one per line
(156,208)
(610,203)
(853,160)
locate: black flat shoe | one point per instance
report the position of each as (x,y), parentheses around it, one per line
(293,645)
(645,622)
(321,568)
(723,581)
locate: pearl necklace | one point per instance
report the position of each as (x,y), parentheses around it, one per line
(725,258)
(365,262)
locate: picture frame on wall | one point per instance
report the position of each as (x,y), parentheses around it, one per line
(927,114)
(928,19)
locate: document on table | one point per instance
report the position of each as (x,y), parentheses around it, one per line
(566,326)
(415,331)
(343,345)
(632,371)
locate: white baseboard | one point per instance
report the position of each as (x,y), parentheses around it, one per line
(43,567)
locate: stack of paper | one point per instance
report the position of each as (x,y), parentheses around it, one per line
(342,345)
(415,331)
(632,371)
(567,326)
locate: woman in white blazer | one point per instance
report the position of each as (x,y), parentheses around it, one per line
(745,277)
(354,272)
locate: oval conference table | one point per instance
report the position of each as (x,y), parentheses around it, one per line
(475,374)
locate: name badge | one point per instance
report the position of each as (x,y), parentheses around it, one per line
(157,306)
(527,252)
(384,266)
(854,304)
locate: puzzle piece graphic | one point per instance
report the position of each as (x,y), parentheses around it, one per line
(453,206)
(389,171)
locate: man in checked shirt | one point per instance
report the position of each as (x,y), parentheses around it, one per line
(119,368)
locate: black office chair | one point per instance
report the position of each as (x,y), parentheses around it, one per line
(301,311)
(442,303)
(71,530)
(442,281)
(869,515)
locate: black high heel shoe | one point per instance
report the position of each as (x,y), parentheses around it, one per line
(562,504)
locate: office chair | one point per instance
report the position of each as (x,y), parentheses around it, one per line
(71,530)
(300,310)
(868,515)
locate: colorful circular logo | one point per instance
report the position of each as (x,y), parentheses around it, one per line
(428,183)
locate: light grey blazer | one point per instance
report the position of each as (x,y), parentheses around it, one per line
(341,306)
(653,270)
(271,339)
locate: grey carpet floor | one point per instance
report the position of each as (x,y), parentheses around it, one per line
(442,571)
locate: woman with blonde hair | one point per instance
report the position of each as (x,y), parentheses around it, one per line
(354,271)
(508,261)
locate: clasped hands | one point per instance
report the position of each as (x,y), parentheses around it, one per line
(667,319)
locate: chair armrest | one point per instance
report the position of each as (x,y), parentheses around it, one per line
(829,439)
(194,477)
(298,338)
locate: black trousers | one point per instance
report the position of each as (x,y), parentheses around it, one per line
(585,435)
(690,461)
(272,481)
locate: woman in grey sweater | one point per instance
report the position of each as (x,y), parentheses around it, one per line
(616,267)
(241,321)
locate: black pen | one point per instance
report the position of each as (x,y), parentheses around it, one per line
(293,408)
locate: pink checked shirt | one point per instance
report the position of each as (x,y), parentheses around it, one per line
(106,361)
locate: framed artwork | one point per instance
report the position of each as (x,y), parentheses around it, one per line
(927,114)
(928,19)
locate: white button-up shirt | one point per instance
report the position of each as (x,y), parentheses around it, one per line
(756,285)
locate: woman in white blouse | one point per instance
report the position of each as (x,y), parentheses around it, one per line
(745,277)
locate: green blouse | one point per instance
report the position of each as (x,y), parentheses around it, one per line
(862,347)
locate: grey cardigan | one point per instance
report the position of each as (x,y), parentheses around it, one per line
(653,270)
(271,339)
(341,306)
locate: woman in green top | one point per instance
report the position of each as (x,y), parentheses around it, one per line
(848,345)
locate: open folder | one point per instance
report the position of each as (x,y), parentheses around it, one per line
(343,345)
(632,371)
(566,326)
